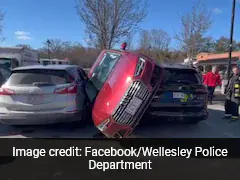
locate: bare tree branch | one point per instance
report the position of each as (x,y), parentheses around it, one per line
(195,24)
(107,21)
(156,39)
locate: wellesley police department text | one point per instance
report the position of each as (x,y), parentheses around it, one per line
(113,152)
(131,152)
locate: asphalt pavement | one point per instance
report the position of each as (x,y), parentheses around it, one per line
(214,127)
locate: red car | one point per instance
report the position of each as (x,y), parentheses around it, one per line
(121,85)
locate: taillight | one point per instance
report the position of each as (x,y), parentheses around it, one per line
(7,92)
(68,90)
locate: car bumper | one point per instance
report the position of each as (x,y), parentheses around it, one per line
(114,130)
(38,118)
(178,115)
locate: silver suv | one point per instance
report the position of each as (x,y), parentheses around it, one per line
(41,94)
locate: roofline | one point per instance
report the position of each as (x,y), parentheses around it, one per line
(17,48)
(7,47)
(214,56)
(54,67)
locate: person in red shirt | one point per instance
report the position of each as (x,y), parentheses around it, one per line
(212,80)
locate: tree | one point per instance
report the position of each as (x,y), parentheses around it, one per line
(108,21)
(1,24)
(159,39)
(75,52)
(154,39)
(155,42)
(207,45)
(222,45)
(145,40)
(194,26)
(57,48)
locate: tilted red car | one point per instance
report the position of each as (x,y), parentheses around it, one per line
(121,85)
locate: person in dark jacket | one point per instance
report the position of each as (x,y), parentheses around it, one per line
(232,102)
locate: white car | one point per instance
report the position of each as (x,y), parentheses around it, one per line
(41,94)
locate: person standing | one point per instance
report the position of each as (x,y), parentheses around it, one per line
(233,96)
(212,80)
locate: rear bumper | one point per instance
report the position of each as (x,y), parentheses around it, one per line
(178,115)
(38,118)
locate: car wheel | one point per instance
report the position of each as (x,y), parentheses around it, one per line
(81,121)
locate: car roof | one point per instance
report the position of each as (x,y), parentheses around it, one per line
(53,67)
(178,66)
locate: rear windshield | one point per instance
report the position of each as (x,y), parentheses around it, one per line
(38,77)
(181,76)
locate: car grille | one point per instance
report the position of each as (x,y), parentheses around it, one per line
(137,89)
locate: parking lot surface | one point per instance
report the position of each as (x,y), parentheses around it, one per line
(214,127)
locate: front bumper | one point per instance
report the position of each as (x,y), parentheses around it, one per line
(38,118)
(114,130)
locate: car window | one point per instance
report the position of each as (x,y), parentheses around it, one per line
(5,62)
(181,76)
(103,70)
(36,76)
(72,74)
(5,72)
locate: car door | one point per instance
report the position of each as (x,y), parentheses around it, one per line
(81,82)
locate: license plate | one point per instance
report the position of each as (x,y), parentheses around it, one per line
(178,95)
(33,99)
(133,106)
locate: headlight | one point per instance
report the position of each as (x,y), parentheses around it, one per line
(103,124)
(139,67)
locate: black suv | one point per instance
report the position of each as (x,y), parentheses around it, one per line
(181,97)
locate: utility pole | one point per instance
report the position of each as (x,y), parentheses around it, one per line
(48,44)
(231,40)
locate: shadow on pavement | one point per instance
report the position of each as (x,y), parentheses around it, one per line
(44,131)
(148,128)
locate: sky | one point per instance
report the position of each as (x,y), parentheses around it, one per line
(33,21)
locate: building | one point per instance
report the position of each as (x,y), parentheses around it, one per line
(207,60)
(53,61)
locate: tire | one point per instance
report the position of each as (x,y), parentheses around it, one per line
(81,122)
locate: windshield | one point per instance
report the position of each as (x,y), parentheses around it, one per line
(5,62)
(180,76)
(38,76)
(103,70)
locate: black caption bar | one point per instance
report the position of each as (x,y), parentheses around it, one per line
(130,158)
